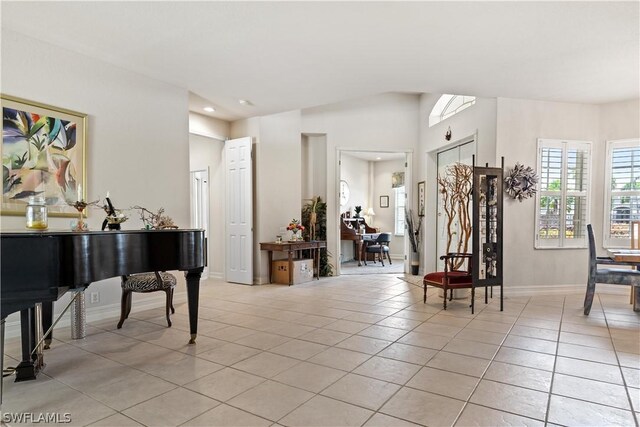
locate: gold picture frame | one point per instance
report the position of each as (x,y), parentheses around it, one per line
(44,155)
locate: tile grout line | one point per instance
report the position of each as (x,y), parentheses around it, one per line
(624,380)
(555,363)
(468,399)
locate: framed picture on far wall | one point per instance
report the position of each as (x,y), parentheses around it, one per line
(43,155)
(384,201)
(421,195)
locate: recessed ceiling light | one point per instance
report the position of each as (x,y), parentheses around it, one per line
(209,109)
(378,158)
(245,102)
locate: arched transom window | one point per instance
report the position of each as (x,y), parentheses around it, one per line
(449,105)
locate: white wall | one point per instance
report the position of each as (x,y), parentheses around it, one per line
(478,121)
(385,217)
(137,145)
(277,183)
(520,124)
(355,172)
(314,166)
(386,122)
(202,125)
(207,154)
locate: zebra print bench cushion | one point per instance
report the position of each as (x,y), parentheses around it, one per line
(147,282)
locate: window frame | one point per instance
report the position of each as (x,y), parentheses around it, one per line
(607,240)
(399,231)
(445,113)
(564,145)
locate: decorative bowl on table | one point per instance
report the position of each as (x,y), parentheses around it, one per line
(117,218)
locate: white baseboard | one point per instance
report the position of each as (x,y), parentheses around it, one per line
(218,275)
(535,290)
(110,311)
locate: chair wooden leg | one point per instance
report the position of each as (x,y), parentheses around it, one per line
(173,310)
(445,297)
(168,306)
(129,298)
(123,308)
(389,258)
(424,301)
(381,257)
(588,298)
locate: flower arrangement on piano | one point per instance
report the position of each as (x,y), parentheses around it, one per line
(295,227)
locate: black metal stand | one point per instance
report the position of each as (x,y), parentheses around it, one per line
(487,231)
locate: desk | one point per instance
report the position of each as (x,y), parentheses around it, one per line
(291,248)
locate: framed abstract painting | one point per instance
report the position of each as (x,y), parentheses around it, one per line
(43,155)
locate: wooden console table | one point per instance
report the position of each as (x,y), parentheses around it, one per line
(291,248)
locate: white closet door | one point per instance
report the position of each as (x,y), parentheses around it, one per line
(239,211)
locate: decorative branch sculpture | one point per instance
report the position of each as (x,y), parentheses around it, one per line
(156,221)
(455,188)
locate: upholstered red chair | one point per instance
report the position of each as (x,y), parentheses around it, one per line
(456,275)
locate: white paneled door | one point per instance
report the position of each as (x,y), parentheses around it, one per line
(239,211)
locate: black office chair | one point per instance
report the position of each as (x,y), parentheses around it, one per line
(379,248)
(611,276)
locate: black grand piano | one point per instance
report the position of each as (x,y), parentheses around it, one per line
(39,267)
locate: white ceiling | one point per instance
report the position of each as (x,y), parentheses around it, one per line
(289,55)
(374,156)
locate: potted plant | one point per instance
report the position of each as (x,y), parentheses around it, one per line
(317,230)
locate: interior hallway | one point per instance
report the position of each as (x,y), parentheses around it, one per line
(351,350)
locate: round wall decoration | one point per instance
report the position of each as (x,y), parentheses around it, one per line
(520,182)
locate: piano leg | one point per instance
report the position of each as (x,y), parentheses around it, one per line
(193,292)
(1,357)
(26,369)
(47,321)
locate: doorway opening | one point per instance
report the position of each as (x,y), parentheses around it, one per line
(374,187)
(200,204)
(462,152)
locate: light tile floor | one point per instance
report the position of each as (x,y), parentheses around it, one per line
(353,350)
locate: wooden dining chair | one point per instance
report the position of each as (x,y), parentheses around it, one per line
(457,274)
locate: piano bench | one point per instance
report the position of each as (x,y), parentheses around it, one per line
(144,283)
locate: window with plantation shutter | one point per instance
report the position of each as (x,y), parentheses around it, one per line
(622,191)
(562,199)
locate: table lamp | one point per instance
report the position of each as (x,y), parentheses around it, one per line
(370,213)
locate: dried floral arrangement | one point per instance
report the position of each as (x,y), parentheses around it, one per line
(413,230)
(155,220)
(520,182)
